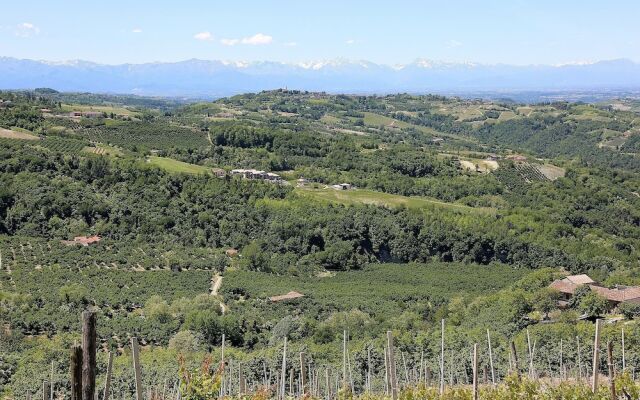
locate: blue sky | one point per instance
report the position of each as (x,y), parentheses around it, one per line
(391,32)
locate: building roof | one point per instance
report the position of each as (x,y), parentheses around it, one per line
(618,294)
(581,279)
(83,240)
(563,286)
(289,296)
(86,240)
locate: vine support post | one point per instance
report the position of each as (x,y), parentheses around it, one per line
(88,355)
(107,382)
(493,374)
(283,376)
(612,383)
(392,366)
(303,376)
(442,359)
(76,372)
(46,390)
(514,354)
(475,371)
(579,358)
(624,360)
(135,354)
(596,358)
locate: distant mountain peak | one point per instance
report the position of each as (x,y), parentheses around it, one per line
(217,78)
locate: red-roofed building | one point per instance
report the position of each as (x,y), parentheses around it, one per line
(620,294)
(83,240)
(289,296)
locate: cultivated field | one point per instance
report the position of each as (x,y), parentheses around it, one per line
(16,134)
(175,166)
(362,196)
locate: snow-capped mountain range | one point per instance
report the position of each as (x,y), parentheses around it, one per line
(222,78)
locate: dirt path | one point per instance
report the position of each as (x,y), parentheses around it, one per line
(216,282)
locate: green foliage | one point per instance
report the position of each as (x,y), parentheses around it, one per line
(629,310)
(593,305)
(201,384)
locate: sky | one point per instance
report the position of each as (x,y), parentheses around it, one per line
(518,32)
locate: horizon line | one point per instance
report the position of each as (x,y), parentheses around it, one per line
(308,64)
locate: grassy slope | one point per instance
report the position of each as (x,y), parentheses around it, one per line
(175,166)
(384,199)
(17,133)
(377,120)
(107,109)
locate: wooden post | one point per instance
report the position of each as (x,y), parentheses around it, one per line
(107,382)
(514,353)
(596,358)
(328,386)
(386,372)
(475,371)
(392,366)
(368,368)
(52,382)
(303,377)
(135,353)
(283,377)
(442,360)
(561,361)
(351,386)
(624,360)
(530,354)
(344,358)
(89,355)
(291,382)
(493,375)
(612,383)
(579,358)
(421,373)
(533,352)
(406,371)
(46,390)
(242,383)
(223,365)
(76,372)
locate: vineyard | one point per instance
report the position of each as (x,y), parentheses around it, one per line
(9,142)
(519,175)
(33,267)
(63,145)
(595,366)
(158,135)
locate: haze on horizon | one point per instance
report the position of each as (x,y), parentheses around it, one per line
(493,32)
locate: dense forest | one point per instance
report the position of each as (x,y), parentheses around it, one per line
(458,209)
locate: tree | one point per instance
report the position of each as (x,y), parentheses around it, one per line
(545,300)
(629,310)
(593,305)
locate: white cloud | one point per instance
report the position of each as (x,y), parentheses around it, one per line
(26,29)
(453,43)
(136,30)
(257,39)
(203,36)
(350,41)
(229,42)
